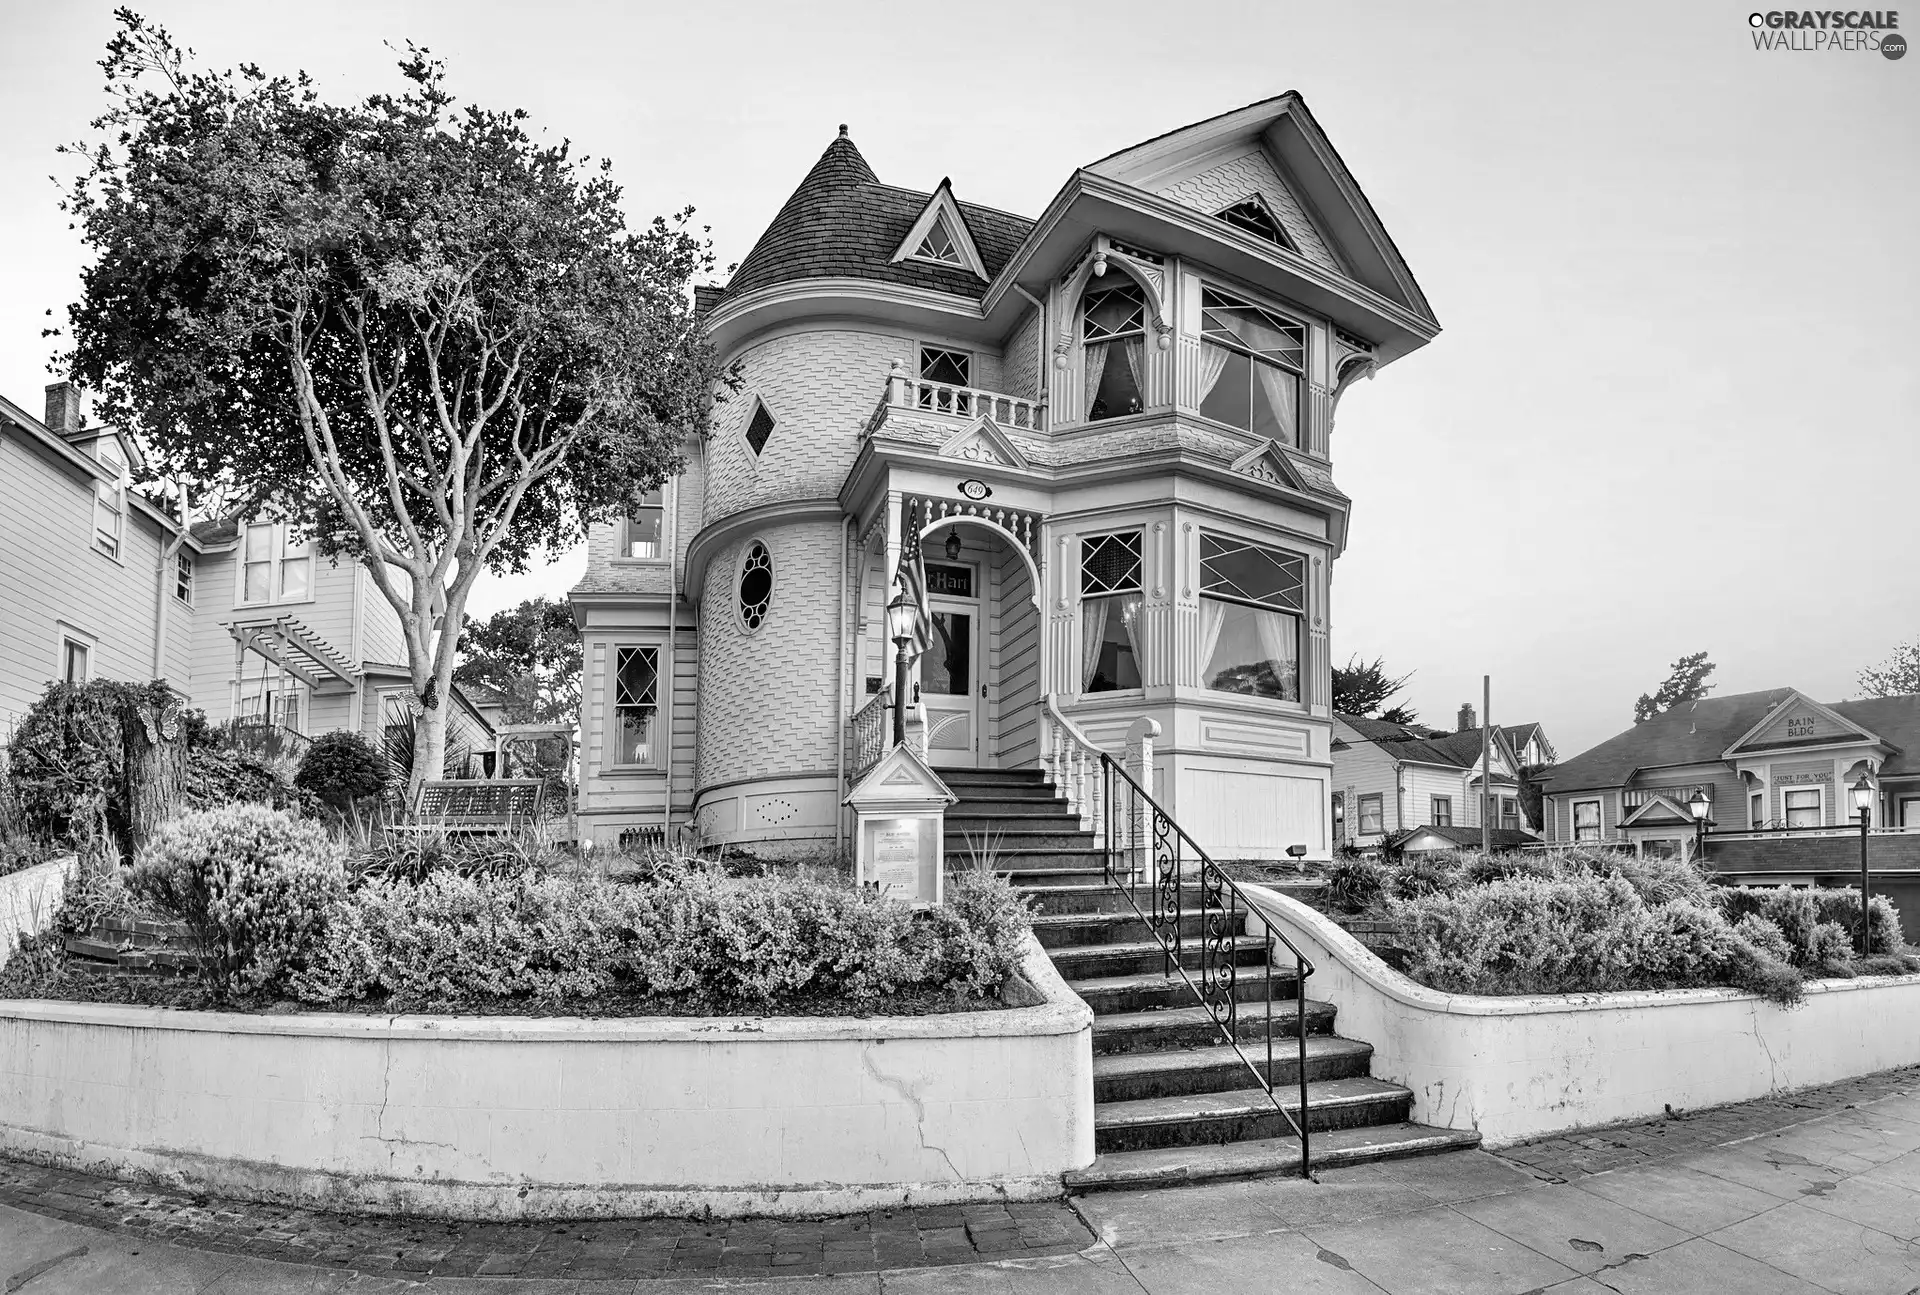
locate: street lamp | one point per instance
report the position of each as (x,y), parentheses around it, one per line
(1700,805)
(1863,801)
(900,628)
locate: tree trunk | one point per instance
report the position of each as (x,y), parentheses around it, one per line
(429,747)
(154,755)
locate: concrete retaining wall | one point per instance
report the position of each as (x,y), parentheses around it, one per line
(28,899)
(1519,1068)
(496,1117)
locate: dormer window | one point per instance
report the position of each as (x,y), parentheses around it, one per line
(940,244)
(1251,360)
(1113,329)
(1251,214)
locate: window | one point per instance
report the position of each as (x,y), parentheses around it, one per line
(940,244)
(1110,606)
(1251,214)
(1510,813)
(1442,815)
(759,428)
(1250,361)
(1756,809)
(1250,600)
(636,678)
(1113,329)
(75,657)
(1586,820)
(643,534)
(948,369)
(272,559)
(756,586)
(183,577)
(1370,816)
(1804,806)
(109,498)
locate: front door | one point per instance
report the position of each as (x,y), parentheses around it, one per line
(951,686)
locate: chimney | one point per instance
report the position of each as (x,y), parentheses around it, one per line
(1467,720)
(63,408)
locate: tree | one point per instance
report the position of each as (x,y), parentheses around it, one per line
(1897,676)
(1687,682)
(425,339)
(1361,688)
(531,655)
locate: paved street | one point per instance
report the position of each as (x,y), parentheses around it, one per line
(1819,1192)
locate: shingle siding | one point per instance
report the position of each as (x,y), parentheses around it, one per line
(1222,185)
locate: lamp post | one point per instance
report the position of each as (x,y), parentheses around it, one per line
(1863,801)
(900,627)
(1699,805)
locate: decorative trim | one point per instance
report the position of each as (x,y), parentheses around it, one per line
(1280,473)
(718,535)
(999,450)
(942,203)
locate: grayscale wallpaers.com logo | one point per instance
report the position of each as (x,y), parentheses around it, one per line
(1825,30)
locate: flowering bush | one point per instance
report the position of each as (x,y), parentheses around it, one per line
(255,885)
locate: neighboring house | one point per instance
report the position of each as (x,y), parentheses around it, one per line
(244,619)
(1110,431)
(1409,788)
(1530,745)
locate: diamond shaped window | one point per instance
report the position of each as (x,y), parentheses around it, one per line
(759,428)
(1110,563)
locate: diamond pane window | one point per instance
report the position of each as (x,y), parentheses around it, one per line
(1247,327)
(1252,573)
(759,428)
(1252,215)
(756,586)
(954,368)
(636,680)
(1113,312)
(1110,564)
(940,244)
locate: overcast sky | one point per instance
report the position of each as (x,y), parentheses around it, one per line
(1674,404)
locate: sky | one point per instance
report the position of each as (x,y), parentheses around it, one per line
(1674,404)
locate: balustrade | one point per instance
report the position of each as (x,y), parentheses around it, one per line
(867,732)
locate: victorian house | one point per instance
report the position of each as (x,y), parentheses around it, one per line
(1109,430)
(1409,788)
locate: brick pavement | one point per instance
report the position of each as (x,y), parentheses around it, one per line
(581,1250)
(1623,1146)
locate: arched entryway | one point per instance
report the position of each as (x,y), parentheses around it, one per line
(979,682)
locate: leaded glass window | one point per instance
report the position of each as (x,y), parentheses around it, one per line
(1113,311)
(1113,330)
(1251,597)
(1251,360)
(1252,215)
(1110,611)
(1110,563)
(636,682)
(1254,573)
(756,586)
(940,244)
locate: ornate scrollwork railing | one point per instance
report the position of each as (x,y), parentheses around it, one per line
(867,736)
(1147,851)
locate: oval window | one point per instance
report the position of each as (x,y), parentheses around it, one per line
(756,586)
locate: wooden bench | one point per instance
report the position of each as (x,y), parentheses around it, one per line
(459,805)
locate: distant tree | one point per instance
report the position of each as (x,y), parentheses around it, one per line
(1897,676)
(420,335)
(530,654)
(1687,682)
(1361,688)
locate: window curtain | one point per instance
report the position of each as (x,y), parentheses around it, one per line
(1213,360)
(1280,644)
(1093,632)
(1282,398)
(1135,349)
(1213,617)
(1096,370)
(1133,616)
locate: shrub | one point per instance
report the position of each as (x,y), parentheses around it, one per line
(68,758)
(1888,964)
(1759,973)
(1764,936)
(340,768)
(1422,875)
(1355,883)
(223,775)
(1662,881)
(413,856)
(1482,868)
(255,885)
(1841,906)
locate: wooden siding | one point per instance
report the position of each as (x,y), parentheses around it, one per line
(634,797)
(1363,769)
(1017,702)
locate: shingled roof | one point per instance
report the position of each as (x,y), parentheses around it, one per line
(1693,733)
(842,223)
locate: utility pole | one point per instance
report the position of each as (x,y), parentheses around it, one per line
(1486,764)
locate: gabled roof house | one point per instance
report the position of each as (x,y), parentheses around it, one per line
(1409,788)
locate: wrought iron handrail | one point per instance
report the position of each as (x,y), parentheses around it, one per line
(1221,902)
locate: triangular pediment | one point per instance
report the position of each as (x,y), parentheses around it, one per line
(1268,462)
(1659,811)
(941,236)
(1800,721)
(902,778)
(984,442)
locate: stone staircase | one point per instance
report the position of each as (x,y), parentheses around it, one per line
(1172,1102)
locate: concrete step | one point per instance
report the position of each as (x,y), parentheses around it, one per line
(1263,1158)
(1068,929)
(1133,1076)
(977,816)
(1208,1119)
(955,777)
(1193,1027)
(1073,895)
(1018,859)
(1037,879)
(1082,962)
(1006,794)
(997,841)
(1149,991)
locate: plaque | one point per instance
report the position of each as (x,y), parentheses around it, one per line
(895,860)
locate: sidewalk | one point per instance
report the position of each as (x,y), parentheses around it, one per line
(1817,1192)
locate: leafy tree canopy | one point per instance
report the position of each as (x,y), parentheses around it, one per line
(1361,688)
(423,336)
(1897,676)
(530,654)
(1687,682)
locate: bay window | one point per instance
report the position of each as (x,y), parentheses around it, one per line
(1250,365)
(1251,597)
(1113,330)
(636,679)
(1110,607)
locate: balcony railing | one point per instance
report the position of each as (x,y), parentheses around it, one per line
(867,735)
(924,396)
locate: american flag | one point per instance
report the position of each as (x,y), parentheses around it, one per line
(912,576)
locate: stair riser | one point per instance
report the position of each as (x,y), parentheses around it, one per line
(1130,931)
(1075,898)
(1202,1034)
(1001,842)
(1206,1131)
(1203,1170)
(1251,991)
(981,800)
(977,813)
(1230,1076)
(1089,963)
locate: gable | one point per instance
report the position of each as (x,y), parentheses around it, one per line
(984,442)
(1266,462)
(940,236)
(1243,173)
(1800,721)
